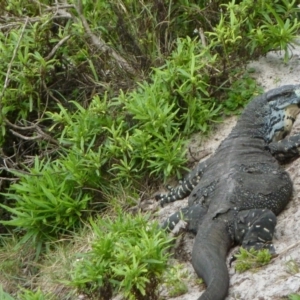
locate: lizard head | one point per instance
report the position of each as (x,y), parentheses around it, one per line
(283,109)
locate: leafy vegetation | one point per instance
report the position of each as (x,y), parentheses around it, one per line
(292,266)
(5,296)
(246,260)
(128,255)
(175,280)
(99,99)
(25,295)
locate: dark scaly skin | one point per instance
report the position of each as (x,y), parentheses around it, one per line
(235,195)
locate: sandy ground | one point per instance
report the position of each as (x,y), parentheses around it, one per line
(278,279)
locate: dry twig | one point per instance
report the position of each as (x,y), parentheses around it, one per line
(51,54)
(40,135)
(286,250)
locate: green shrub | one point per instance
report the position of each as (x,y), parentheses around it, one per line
(175,279)
(246,30)
(178,96)
(128,255)
(46,202)
(241,92)
(71,139)
(123,139)
(251,259)
(182,96)
(27,294)
(28,71)
(4,295)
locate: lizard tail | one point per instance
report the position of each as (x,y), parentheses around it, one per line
(209,259)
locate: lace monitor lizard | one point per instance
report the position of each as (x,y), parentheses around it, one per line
(235,195)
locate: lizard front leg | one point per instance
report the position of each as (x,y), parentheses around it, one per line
(286,149)
(190,214)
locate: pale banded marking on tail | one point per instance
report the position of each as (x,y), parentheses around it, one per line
(185,186)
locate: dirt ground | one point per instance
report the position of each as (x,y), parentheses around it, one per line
(282,276)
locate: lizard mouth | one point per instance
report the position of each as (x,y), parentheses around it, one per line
(291,113)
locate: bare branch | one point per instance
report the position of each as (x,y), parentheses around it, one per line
(20,127)
(51,54)
(41,135)
(46,136)
(202,36)
(26,138)
(101,45)
(9,179)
